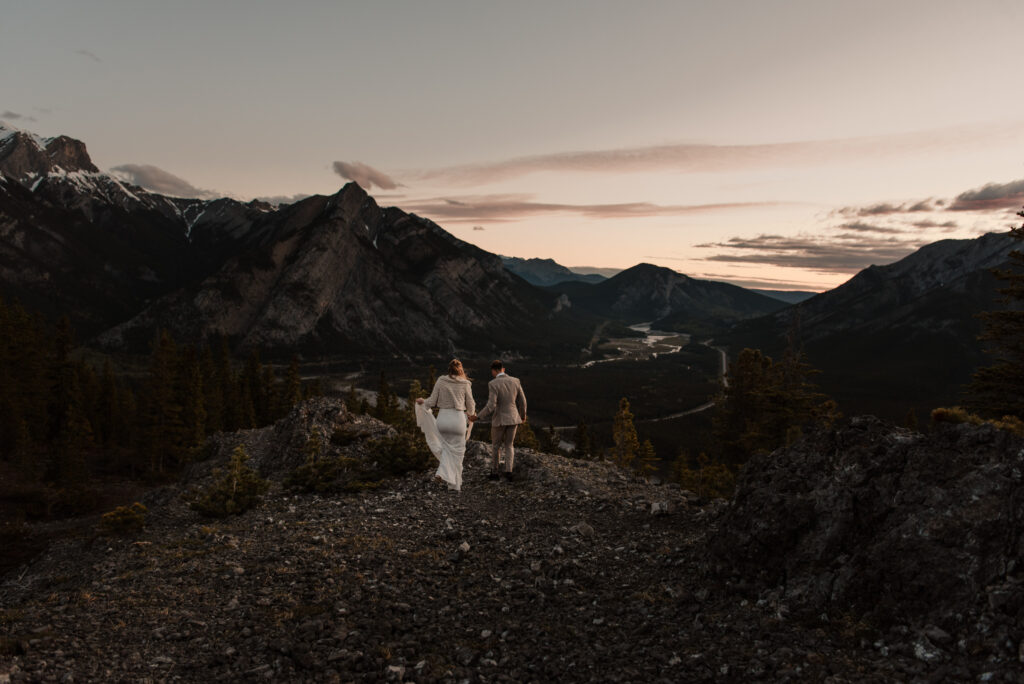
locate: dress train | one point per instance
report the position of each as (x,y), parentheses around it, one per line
(446,436)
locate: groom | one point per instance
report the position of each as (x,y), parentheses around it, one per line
(505,399)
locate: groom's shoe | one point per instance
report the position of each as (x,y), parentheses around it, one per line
(493,476)
(509,476)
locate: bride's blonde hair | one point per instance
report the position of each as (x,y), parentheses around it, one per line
(456,370)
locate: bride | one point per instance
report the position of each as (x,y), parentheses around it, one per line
(447,434)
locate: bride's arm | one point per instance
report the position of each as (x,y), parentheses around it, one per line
(431,401)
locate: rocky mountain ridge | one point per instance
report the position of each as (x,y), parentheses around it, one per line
(897,336)
(543,272)
(672,300)
(576,571)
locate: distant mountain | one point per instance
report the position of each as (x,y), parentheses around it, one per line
(595,270)
(899,336)
(542,272)
(671,300)
(326,275)
(787,296)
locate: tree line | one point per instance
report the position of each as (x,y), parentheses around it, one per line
(65,420)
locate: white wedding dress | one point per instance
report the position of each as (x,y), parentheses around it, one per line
(446,436)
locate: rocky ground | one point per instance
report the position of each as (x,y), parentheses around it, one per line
(572,572)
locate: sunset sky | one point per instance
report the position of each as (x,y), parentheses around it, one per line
(773,144)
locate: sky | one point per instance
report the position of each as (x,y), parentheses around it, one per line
(773,144)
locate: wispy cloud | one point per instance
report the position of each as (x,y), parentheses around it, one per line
(990,197)
(88,54)
(365,175)
(502,208)
(15,116)
(888,209)
(694,158)
(157,180)
(843,253)
(860,227)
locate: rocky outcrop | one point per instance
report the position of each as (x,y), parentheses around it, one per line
(574,572)
(892,527)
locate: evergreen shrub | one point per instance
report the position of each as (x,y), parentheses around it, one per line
(124,519)
(234,490)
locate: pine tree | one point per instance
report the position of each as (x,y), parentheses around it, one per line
(648,461)
(161,415)
(213,396)
(191,398)
(998,390)
(627,444)
(352,401)
(291,392)
(387,402)
(584,444)
(766,405)
(525,437)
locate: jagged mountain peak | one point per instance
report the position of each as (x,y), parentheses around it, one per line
(25,155)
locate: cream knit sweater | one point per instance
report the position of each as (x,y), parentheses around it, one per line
(452,393)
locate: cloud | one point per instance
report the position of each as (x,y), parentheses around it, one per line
(844,253)
(992,196)
(928,223)
(698,158)
(503,208)
(90,55)
(365,175)
(157,180)
(859,227)
(15,116)
(887,209)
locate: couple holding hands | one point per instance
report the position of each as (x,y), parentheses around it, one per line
(446,434)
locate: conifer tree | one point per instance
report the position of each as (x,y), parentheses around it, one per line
(998,390)
(525,436)
(584,445)
(291,393)
(191,398)
(352,401)
(766,405)
(213,395)
(162,427)
(648,458)
(627,444)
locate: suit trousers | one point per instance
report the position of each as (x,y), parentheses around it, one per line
(502,437)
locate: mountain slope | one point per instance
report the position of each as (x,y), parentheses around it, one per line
(895,336)
(340,275)
(672,300)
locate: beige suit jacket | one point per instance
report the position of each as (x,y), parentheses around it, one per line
(506,400)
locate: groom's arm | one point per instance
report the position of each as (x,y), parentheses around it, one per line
(492,401)
(521,401)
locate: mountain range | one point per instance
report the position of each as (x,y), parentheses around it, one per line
(898,336)
(341,276)
(325,276)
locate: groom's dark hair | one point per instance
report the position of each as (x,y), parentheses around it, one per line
(497,365)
